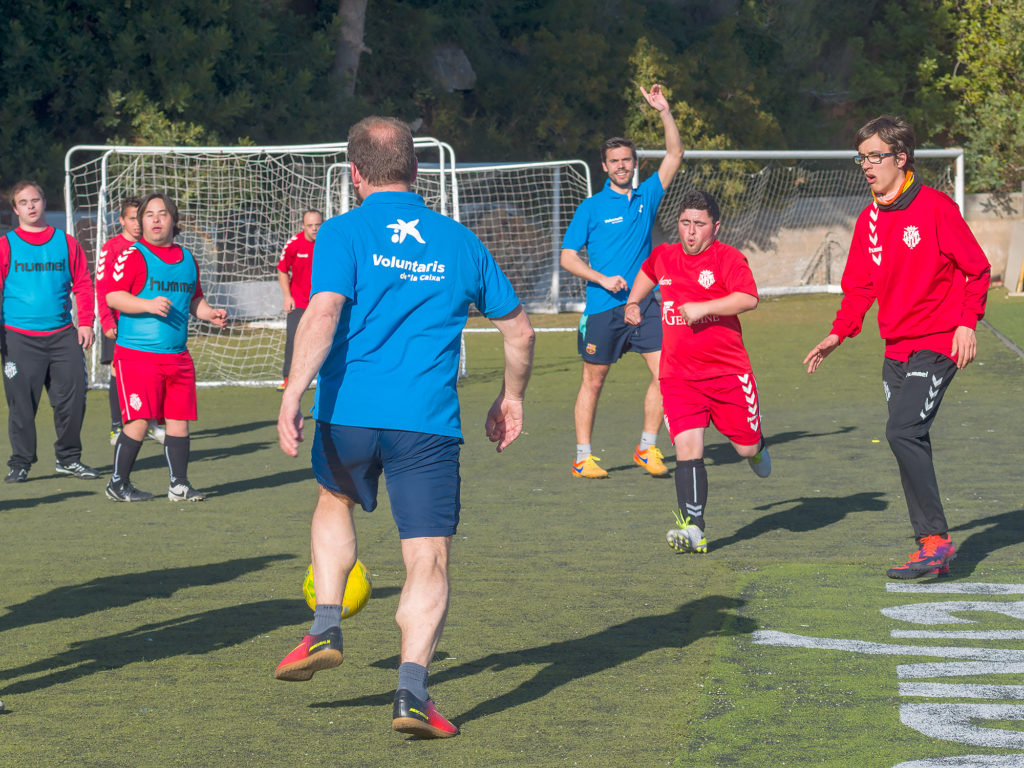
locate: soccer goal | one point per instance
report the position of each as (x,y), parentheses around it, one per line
(238,207)
(791,212)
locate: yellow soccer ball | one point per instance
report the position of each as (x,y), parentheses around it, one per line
(357,590)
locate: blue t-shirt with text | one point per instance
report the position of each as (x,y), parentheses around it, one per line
(409,276)
(616,231)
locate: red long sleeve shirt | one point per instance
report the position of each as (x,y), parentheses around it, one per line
(926,270)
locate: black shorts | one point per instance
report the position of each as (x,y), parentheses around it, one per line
(106,349)
(605,337)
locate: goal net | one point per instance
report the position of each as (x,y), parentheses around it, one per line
(238,207)
(518,210)
(790,212)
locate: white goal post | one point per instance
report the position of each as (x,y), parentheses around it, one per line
(791,212)
(238,207)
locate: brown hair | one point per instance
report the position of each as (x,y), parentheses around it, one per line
(614,143)
(382,149)
(894,131)
(22,185)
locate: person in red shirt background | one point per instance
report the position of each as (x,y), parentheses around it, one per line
(913,252)
(705,373)
(40,269)
(294,270)
(114,247)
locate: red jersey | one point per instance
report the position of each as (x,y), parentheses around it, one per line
(924,267)
(111,249)
(78,265)
(297,258)
(714,346)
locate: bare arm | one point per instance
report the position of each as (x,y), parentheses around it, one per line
(572,263)
(313,339)
(642,286)
(673,143)
(123,301)
(505,417)
(736,303)
(201,309)
(824,348)
(286,291)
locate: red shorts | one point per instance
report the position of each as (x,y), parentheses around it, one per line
(152,385)
(728,401)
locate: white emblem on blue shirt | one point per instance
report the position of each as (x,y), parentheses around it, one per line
(405,229)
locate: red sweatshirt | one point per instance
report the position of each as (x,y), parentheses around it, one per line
(924,267)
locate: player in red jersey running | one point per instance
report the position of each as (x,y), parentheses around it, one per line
(294,273)
(913,252)
(705,373)
(155,287)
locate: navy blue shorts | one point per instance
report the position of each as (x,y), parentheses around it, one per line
(421,473)
(606,336)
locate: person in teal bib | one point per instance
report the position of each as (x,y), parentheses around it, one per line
(614,227)
(41,268)
(392,285)
(154,285)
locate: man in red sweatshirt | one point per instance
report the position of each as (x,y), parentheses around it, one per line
(913,252)
(40,269)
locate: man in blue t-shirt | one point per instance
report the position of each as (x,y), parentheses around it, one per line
(391,289)
(615,228)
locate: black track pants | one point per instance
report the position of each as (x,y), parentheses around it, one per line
(29,364)
(914,390)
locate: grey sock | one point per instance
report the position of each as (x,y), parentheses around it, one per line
(647,439)
(326,616)
(582,451)
(413,677)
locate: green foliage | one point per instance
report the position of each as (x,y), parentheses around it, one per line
(988,89)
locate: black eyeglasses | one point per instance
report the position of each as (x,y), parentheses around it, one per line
(875,158)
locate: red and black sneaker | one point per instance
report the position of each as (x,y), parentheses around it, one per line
(314,653)
(931,559)
(420,718)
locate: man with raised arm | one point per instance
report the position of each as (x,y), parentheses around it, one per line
(614,226)
(392,286)
(41,268)
(155,286)
(913,252)
(294,270)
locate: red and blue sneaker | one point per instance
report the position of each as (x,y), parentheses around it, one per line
(314,653)
(420,718)
(931,559)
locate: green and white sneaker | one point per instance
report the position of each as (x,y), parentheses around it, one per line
(688,537)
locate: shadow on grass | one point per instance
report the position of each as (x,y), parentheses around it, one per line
(1004,530)
(194,635)
(124,589)
(301,475)
(570,660)
(808,513)
(54,498)
(724,453)
(234,429)
(157,460)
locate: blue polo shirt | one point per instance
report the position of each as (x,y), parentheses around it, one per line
(409,275)
(616,231)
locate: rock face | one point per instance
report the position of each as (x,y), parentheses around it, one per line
(452,69)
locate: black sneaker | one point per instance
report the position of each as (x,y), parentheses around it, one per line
(126,492)
(185,492)
(420,718)
(16,475)
(77,469)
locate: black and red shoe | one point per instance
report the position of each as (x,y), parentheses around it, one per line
(314,653)
(420,718)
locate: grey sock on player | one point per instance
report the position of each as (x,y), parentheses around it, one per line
(326,616)
(582,451)
(413,677)
(648,440)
